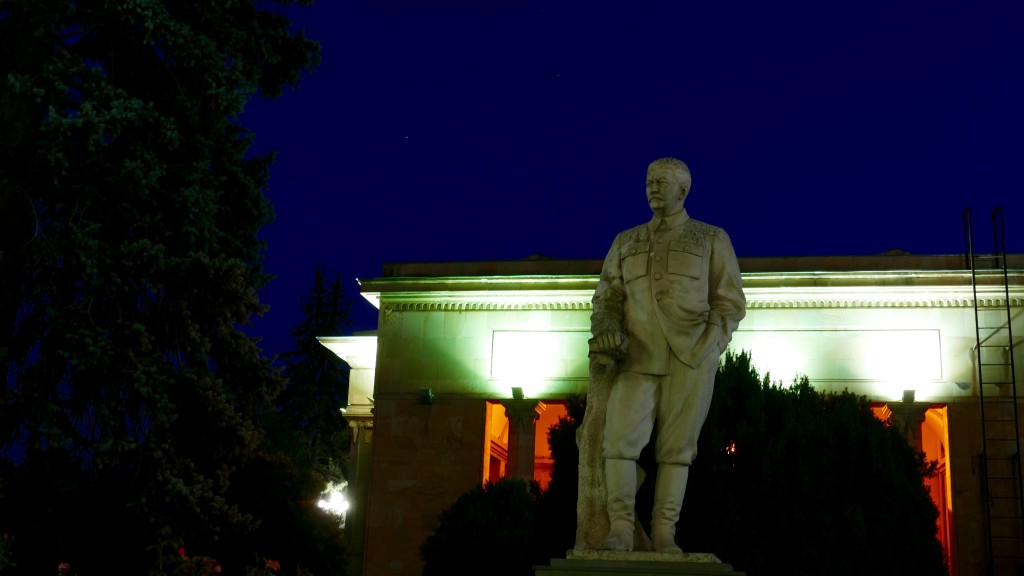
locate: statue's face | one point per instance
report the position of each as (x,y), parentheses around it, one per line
(665,191)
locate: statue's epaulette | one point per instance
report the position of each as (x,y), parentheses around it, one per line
(634,234)
(697,231)
(691,230)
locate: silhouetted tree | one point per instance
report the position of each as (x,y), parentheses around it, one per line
(282,491)
(795,481)
(556,509)
(304,447)
(317,380)
(129,256)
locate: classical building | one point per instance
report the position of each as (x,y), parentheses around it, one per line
(471,361)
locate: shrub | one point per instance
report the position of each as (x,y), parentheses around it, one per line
(795,481)
(490,528)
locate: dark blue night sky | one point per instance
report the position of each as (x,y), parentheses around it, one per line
(455,131)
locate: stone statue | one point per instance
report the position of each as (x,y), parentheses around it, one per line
(667,303)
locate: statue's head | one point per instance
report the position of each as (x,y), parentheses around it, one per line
(668,183)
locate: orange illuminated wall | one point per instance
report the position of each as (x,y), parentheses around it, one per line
(542,461)
(496,442)
(935,442)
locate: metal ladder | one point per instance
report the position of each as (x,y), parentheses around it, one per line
(1002,487)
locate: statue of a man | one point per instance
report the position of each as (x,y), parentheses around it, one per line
(669,298)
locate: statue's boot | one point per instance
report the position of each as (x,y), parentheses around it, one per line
(669,488)
(620,480)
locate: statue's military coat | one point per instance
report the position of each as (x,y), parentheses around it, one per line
(674,291)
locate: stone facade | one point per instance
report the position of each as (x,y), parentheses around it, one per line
(452,337)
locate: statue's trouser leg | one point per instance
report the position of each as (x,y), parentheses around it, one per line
(628,424)
(683,402)
(629,418)
(669,488)
(620,479)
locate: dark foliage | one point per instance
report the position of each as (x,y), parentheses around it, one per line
(793,481)
(317,382)
(491,527)
(283,493)
(130,210)
(304,446)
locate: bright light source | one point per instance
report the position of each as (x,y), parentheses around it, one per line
(536,354)
(881,353)
(333,501)
(527,358)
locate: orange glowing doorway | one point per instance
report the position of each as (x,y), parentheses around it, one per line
(495,457)
(935,443)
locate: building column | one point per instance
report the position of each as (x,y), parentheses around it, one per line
(522,431)
(907,416)
(360,455)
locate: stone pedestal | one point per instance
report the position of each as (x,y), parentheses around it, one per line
(608,563)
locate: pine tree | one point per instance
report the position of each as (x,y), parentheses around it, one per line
(129,257)
(304,447)
(789,476)
(317,387)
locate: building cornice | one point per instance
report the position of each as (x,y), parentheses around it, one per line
(844,289)
(548,292)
